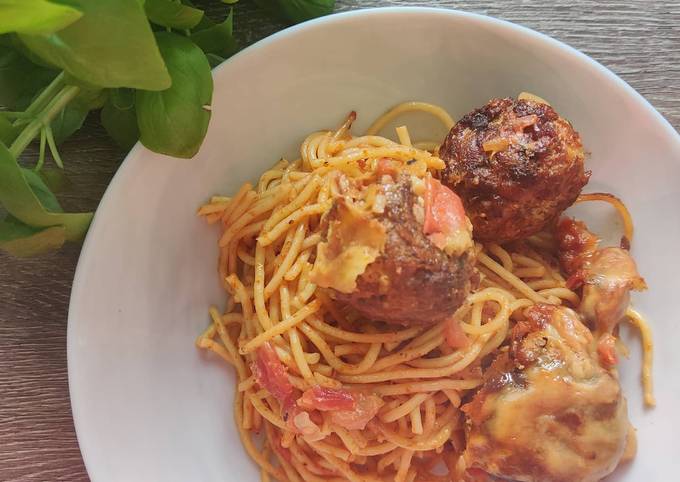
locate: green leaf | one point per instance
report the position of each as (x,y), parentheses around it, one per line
(175,121)
(110,46)
(68,121)
(214,60)
(92,99)
(42,192)
(90,96)
(230,2)
(21,240)
(55,179)
(37,17)
(7,131)
(20,79)
(173,15)
(20,201)
(298,10)
(119,118)
(217,39)
(123,99)
(16,43)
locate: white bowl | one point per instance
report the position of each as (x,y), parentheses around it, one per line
(149,407)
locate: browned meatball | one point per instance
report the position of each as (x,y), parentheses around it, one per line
(516,164)
(548,411)
(607,274)
(408,279)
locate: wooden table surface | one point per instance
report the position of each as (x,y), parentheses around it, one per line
(639,40)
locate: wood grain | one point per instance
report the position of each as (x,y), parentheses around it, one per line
(639,40)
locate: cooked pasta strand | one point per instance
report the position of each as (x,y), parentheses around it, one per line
(408,381)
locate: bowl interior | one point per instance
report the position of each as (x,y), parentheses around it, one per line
(148,406)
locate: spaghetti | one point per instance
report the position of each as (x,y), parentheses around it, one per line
(410,378)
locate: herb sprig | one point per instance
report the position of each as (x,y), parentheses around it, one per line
(144,64)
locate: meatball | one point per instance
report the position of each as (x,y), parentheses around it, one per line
(391,265)
(547,411)
(607,275)
(516,164)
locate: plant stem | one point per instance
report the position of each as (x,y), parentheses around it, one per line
(45,96)
(53,146)
(18,115)
(56,105)
(41,157)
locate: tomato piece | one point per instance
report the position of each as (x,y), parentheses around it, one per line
(386,167)
(576,279)
(576,244)
(272,375)
(454,335)
(301,422)
(366,408)
(444,212)
(326,399)
(606,350)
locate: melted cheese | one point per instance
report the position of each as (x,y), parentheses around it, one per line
(355,240)
(560,418)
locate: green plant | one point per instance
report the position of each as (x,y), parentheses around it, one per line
(145,64)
